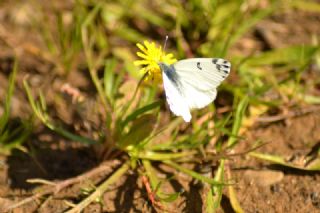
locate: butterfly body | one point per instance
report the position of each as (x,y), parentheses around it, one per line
(191,83)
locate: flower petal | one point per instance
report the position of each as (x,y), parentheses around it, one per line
(141,55)
(140,62)
(142,48)
(151,55)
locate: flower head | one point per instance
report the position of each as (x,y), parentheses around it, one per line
(151,55)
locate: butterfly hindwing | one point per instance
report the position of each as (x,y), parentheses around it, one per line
(176,101)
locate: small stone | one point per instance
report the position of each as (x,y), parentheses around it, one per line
(263,177)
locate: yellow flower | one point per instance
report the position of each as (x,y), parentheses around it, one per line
(151,56)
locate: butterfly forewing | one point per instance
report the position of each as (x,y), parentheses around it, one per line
(199,78)
(203,73)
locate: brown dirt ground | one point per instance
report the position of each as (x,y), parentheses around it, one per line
(260,187)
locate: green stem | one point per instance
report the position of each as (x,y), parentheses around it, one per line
(193,174)
(155,156)
(150,173)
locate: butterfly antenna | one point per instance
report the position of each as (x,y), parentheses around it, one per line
(165,43)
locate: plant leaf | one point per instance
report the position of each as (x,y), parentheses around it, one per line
(141,128)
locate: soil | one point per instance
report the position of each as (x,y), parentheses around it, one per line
(261,186)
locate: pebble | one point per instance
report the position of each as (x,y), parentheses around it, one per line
(263,177)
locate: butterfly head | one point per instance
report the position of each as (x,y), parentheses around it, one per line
(164,67)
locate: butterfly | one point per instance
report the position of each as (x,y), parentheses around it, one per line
(192,83)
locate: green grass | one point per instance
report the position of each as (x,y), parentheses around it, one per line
(13,132)
(105,33)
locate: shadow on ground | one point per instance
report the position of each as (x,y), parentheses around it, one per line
(49,164)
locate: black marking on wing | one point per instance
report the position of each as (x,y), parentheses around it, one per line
(215,60)
(222,66)
(198,65)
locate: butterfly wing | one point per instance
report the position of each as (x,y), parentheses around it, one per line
(192,83)
(199,79)
(177,103)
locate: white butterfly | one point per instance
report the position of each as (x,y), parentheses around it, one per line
(192,83)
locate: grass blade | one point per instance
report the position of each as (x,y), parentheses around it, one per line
(297,55)
(216,191)
(281,161)
(233,196)
(242,106)
(46,120)
(5,117)
(194,174)
(101,189)
(139,112)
